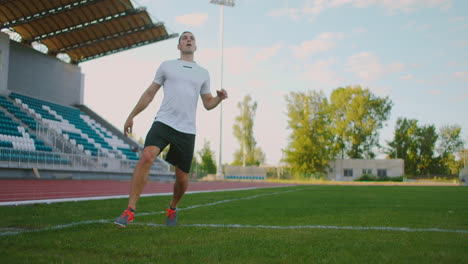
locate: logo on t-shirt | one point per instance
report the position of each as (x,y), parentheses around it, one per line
(185,66)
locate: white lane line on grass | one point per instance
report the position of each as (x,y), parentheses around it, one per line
(380,228)
(8,233)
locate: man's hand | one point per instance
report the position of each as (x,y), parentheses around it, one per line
(222,94)
(128,126)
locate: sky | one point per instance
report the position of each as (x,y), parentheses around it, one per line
(413,51)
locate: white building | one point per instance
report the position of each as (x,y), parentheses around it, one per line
(464,176)
(351,169)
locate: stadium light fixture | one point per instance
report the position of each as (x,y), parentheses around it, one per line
(221,4)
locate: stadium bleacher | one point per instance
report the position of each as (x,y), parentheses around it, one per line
(18,144)
(27,125)
(77,127)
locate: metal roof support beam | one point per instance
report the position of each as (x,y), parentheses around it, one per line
(50,12)
(114,36)
(90,23)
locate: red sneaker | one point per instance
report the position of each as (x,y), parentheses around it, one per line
(171,217)
(126,217)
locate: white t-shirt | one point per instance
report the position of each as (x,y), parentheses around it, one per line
(183,82)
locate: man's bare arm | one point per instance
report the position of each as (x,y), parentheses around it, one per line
(210,102)
(144,101)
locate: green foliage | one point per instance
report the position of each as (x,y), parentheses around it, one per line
(366,177)
(398,179)
(357,116)
(311,141)
(416,144)
(248,154)
(450,142)
(322,129)
(195,168)
(164,152)
(207,164)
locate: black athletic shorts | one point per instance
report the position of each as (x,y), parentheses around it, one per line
(181,144)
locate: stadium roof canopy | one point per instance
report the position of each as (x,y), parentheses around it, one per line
(83,29)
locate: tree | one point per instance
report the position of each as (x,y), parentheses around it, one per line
(258,158)
(404,145)
(415,144)
(140,140)
(357,115)
(195,167)
(310,144)
(426,140)
(248,154)
(207,164)
(450,142)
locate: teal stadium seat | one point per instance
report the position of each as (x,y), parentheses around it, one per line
(87,134)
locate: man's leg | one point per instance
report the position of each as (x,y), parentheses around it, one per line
(140,174)
(180,186)
(139,179)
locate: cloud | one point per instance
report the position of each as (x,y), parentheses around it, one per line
(434,92)
(461,75)
(325,41)
(396,67)
(195,19)
(410,5)
(241,59)
(268,52)
(461,43)
(408,77)
(238,60)
(293,13)
(322,73)
(312,8)
(461,97)
(368,66)
(457,19)
(420,27)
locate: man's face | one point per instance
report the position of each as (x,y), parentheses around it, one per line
(187,43)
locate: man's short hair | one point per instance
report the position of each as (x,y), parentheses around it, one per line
(183,34)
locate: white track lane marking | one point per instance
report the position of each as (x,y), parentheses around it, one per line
(77,199)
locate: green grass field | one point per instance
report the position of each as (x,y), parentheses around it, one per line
(302,224)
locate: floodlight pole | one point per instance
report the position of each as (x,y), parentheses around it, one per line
(221,4)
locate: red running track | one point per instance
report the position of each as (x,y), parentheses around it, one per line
(30,190)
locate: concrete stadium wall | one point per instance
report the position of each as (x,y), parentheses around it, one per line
(245,173)
(4,61)
(35,74)
(45,174)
